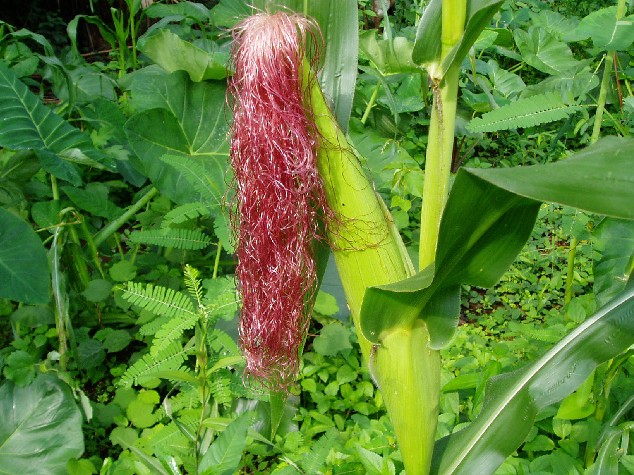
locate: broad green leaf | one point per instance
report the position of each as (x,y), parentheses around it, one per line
(613,241)
(597,179)
(393,56)
(483,229)
(196,11)
(428,44)
(23,263)
(508,84)
(608,457)
(106,33)
(223,456)
(332,339)
(580,404)
(514,399)
(228,12)
(544,52)
(479,15)
(40,427)
(337,20)
(427,48)
(27,124)
(607,33)
(186,119)
(87,83)
(90,353)
(53,164)
(94,199)
(554,23)
(172,53)
(488,218)
(571,86)
(373,463)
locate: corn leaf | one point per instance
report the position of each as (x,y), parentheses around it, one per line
(514,399)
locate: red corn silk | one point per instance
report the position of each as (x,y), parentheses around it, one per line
(279,195)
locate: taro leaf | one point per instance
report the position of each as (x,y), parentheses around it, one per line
(40,427)
(87,84)
(195,11)
(555,23)
(506,83)
(106,33)
(228,12)
(488,217)
(613,241)
(27,124)
(393,56)
(187,120)
(172,53)
(570,85)
(94,199)
(337,20)
(24,274)
(544,52)
(607,33)
(513,400)
(223,456)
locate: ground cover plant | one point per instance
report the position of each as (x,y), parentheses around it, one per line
(470,325)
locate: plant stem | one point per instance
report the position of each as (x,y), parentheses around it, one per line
(441,133)
(112,226)
(370,105)
(605,80)
(217,261)
(54,188)
(603,92)
(438,165)
(570,275)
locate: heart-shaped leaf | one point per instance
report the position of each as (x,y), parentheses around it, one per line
(178,118)
(40,427)
(23,264)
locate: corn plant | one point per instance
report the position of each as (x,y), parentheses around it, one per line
(469,235)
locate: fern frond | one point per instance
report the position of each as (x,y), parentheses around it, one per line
(186,398)
(172,330)
(186,212)
(222,344)
(158,300)
(169,359)
(221,299)
(169,439)
(220,389)
(528,112)
(193,284)
(188,239)
(314,460)
(151,327)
